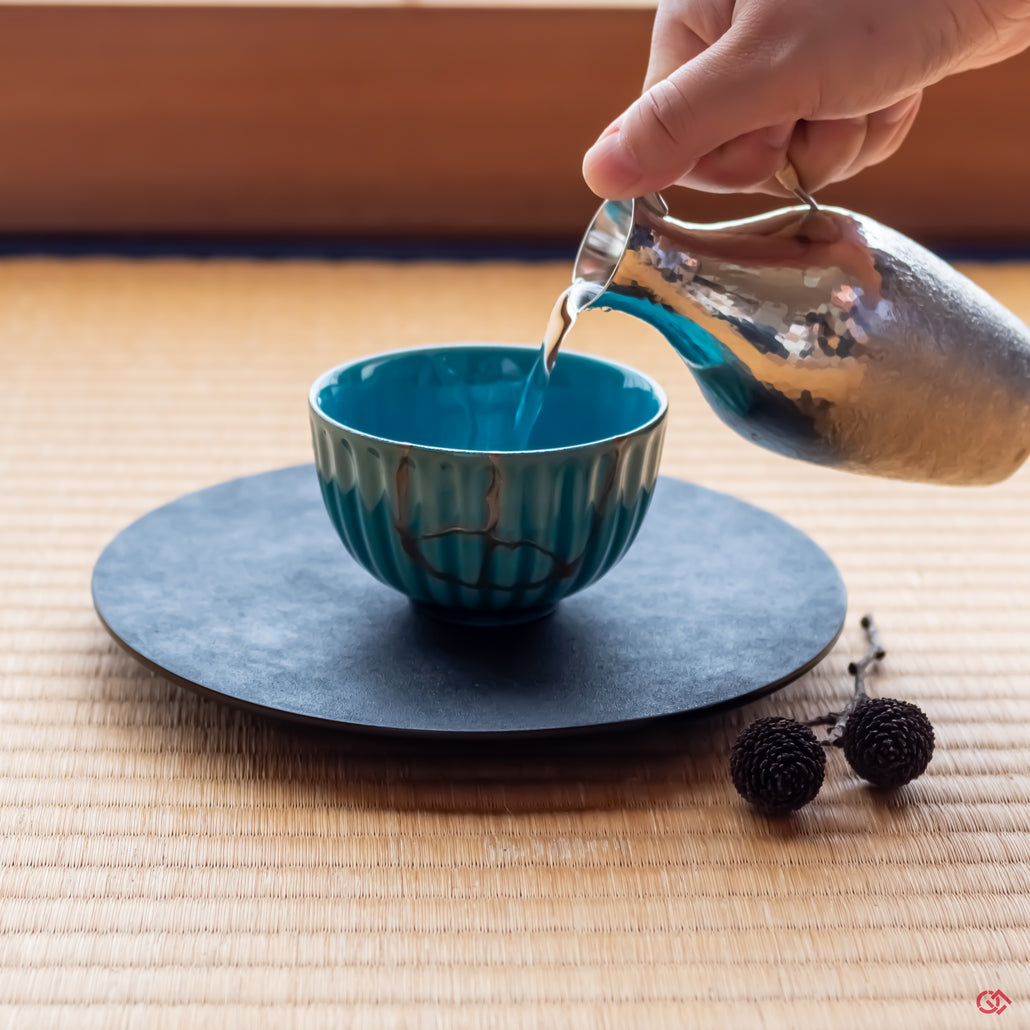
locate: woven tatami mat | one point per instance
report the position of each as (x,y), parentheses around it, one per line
(168,862)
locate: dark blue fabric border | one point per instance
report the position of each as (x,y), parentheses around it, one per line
(284,249)
(293,249)
(995,253)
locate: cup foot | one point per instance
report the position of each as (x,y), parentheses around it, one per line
(471,617)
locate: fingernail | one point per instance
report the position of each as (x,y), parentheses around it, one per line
(610,169)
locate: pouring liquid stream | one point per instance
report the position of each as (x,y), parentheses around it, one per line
(562,318)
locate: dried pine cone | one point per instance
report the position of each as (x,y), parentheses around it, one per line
(777,764)
(888,742)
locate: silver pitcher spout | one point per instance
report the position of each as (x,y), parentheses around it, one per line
(825,336)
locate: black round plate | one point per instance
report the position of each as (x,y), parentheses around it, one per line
(244,592)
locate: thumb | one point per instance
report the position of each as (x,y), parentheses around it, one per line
(728,90)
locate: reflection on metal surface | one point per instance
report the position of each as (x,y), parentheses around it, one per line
(826,336)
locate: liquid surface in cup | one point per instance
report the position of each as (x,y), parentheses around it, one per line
(563,316)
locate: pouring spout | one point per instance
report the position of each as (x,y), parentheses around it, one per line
(604,244)
(610,234)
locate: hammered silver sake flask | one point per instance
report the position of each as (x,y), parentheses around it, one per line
(826,336)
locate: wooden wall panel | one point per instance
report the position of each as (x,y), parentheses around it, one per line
(382,120)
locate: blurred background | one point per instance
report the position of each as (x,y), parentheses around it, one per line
(401,122)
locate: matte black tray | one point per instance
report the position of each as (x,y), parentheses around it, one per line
(244,592)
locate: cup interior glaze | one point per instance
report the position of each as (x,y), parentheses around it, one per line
(464,397)
(420,476)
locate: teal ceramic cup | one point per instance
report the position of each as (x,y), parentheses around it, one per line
(415,457)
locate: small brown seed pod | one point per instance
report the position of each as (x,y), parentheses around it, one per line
(888,742)
(777,764)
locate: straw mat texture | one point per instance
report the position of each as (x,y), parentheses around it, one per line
(166,861)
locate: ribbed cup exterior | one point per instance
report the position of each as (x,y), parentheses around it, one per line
(486,537)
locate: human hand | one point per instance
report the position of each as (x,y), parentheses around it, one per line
(734,87)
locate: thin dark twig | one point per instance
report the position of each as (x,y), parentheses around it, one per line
(857,669)
(874,637)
